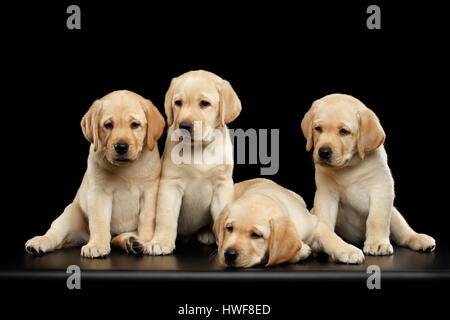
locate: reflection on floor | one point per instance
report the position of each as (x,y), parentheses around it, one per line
(196,257)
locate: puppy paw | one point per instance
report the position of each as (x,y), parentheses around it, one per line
(421,242)
(92,250)
(206,237)
(159,248)
(39,245)
(133,246)
(348,254)
(378,248)
(302,254)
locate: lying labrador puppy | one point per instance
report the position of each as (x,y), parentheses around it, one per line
(268,224)
(265,223)
(355,189)
(118,193)
(192,193)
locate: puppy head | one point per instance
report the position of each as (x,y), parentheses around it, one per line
(253,230)
(121,124)
(340,126)
(200,101)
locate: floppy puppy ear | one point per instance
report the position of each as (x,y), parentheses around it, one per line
(168,102)
(218,227)
(89,123)
(370,133)
(307,127)
(284,241)
(155,123)
(229,104)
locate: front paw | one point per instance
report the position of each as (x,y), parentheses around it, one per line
(39,245)
(302,254)
(92,250)
(348,254)
(421,242)
(157,247)
(378,248)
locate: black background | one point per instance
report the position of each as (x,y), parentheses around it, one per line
(278,58)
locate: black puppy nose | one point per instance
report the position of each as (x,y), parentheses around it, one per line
(185,125)
(325,153)
(230,256)
(121,147)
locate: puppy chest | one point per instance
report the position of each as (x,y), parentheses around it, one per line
(197,193)
(125,210)
(357,199)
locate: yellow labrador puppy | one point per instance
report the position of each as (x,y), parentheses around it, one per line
(355,189)
(193,192)
(118,193)
(265,223)
(268,224)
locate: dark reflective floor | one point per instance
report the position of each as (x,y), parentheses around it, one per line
(196,257)
(164,284)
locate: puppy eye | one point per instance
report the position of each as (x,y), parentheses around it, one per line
(135,125)
(254,235)
(178,103)
(318,129)
(344,132)
(230,228)
(204,104)
(108,125)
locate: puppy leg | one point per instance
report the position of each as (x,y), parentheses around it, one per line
(128,242)
(326,208)
(67,230)
(378,225)
(167,212)
(206,237)
(99,215)
(223,194)
(324,239)
(405,236)
(146,226)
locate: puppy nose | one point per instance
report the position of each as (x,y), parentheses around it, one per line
(230,256)
(325,153)
(185,125)
(121,147)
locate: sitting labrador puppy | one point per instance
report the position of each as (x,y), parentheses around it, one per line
(118,193)
(193,191)
(355,189)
